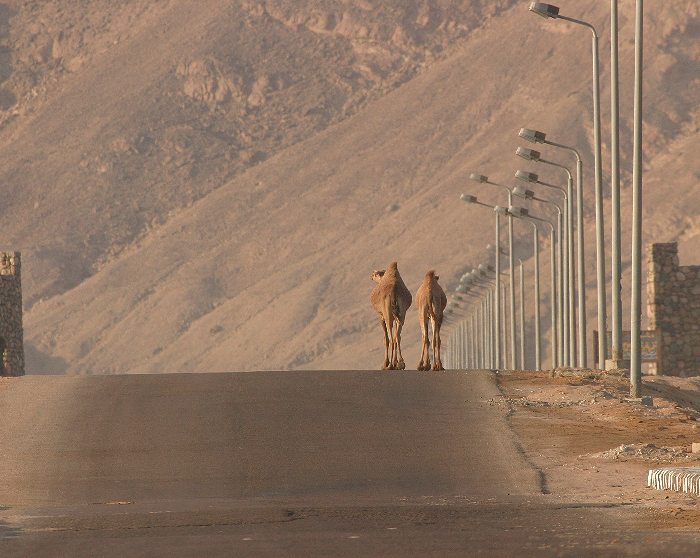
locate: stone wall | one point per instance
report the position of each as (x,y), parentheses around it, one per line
(11,332)
(673,308)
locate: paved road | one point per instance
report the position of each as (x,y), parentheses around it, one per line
(281,463)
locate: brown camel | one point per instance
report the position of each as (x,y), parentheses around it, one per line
(431,301)
(391,299)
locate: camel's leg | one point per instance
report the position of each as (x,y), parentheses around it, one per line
(437,345)
(400,364)
(392,341)
(436,356)
(386,346)
(395,357)
(425,351)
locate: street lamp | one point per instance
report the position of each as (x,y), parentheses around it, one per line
(485,274)
(523,213)
(481,179)
(544,10)
(488,333)
(558,302)
(467,345)
(550,11)
(473,200)
(535,136)
(566,288)
(534,178)
(516,213)
(502,334)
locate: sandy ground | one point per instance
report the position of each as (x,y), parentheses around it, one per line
(593,446)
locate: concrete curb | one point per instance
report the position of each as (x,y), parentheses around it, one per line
(678,479)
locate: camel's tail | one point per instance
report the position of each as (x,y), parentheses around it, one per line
(395,306)
(431,308)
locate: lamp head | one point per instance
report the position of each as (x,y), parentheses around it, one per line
(519,212)
(544,10)
(523,193)
(466,198)
(532,136)
(527,176)
(479,178)
(528,154)
(490,247)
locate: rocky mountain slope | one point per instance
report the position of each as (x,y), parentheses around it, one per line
(207,186)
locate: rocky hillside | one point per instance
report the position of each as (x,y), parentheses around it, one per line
(126,112)
(207,186)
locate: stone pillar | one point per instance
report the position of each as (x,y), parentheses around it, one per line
(673,307)
(11,331)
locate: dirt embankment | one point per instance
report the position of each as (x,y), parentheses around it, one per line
(592,445)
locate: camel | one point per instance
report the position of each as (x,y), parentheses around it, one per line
(431,301)
(391,299)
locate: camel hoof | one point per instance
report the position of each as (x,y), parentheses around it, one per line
(401,366)
(386,366)
(420,367)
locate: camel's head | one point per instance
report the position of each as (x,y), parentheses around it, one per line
(431,275)
(376,276)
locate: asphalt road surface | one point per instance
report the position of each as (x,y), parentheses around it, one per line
(285,464)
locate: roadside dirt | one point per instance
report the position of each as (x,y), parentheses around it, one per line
(594,447)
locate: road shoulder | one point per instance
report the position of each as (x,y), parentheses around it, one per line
(595,448)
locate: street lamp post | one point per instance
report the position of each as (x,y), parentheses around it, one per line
(636,317)
(483,320)
(483,333)
(562,339)
(497,310)
(485,180)
(550,11)
(472,345)
(536,258)
(616,352)
(480,276)
(462,344)
(487,323)
(522,314)
(501,336)
(525,214)
(536,136)
(530,195)
(566,241)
